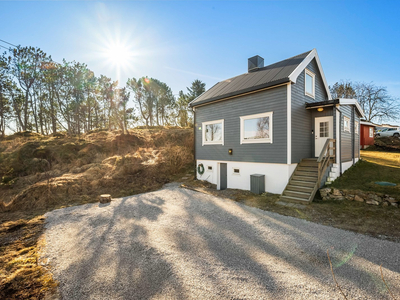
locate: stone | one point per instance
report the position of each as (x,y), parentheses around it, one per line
(358,198)
(324,192)
(339,198)
(395,204)
(325,198)
(105,198)
(349,197)
(374,197)
(391,200)
(385,204)
(372,202)
(336,192)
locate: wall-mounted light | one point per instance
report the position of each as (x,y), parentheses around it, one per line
(230,151)
(320,109)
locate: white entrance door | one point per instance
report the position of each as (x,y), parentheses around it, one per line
(323,131)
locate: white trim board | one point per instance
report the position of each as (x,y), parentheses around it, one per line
(313,54)
(289,123)
(343,101)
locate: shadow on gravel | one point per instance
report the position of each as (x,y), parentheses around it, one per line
(106,265)
(235,248)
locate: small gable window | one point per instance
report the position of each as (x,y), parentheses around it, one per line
(346,123)
(310,83)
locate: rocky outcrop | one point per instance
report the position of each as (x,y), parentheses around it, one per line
(360,196)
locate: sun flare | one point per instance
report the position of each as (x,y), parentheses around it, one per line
(119,54)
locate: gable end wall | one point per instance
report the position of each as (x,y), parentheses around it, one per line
(302,119)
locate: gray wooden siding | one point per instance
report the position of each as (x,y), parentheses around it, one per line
(274,100)
(346,139)
(357,137)
(302,120)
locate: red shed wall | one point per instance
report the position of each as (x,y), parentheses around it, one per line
(365,140)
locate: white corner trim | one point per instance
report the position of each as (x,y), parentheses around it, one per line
(338,158)
(304,64)
(203,134)
(289,123)
(257,141)
(343,101)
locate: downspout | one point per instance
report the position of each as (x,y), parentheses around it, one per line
(194,140)
(340,140)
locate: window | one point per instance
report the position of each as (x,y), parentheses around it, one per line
(236,171)
(309,83)
(356,127)
(346,123)
(371,132)
(324,129)
(213,132)
(256,128)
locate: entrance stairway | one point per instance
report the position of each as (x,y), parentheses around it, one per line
(306,178)
(300,188)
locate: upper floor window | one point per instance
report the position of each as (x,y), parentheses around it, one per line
(371,132)
(256,128)
(356,127)
(310,83)
(346,123)
(213,132)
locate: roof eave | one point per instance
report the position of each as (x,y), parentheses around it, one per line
(295,74)
(343,101)
(241,92)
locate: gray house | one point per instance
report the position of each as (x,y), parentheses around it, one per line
(275,128)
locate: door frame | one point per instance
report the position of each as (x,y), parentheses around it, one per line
(219,175)
(316,131)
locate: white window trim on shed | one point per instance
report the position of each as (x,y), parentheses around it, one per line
(256,141)
(312,75)
(203,127)
(346,128)
(371,132)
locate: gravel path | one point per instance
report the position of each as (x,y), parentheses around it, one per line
(179,244)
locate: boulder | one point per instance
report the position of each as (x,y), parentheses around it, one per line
(334,197)
(336,192)
(395,204)
(324,192)
(372,202)
(349,197)
(105,198)
(385,204)
(374,197)
(391,200)
(358,198)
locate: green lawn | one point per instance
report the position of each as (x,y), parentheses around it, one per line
(374,166)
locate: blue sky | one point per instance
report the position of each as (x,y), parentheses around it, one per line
(179,41)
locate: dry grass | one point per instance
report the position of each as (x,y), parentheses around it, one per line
(39,174)
(388,159)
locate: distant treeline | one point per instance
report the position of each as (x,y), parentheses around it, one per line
(38,94)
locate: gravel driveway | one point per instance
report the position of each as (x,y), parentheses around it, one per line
(179,244)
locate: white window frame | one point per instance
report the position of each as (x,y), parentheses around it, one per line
(256,141)
(306,71)
(356,127)
(371,132)
(233,171)
(203,127)
(346,128)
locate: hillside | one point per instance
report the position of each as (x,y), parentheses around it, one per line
(41,172)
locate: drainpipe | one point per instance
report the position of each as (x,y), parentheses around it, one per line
(194,139)
(340,140)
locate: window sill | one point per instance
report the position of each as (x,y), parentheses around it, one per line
(256,141)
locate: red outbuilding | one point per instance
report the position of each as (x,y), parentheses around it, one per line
(367,132)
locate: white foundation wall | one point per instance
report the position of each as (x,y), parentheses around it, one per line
(276,175)
(346,165)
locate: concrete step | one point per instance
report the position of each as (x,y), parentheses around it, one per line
(305,178)
(307,174)
(301,195)
(302,183)
(298,188)
(294,199)
(333,175)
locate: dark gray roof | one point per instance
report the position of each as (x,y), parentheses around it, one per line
(268,76)
(322,103)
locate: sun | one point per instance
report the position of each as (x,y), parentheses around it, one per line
(119,54)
